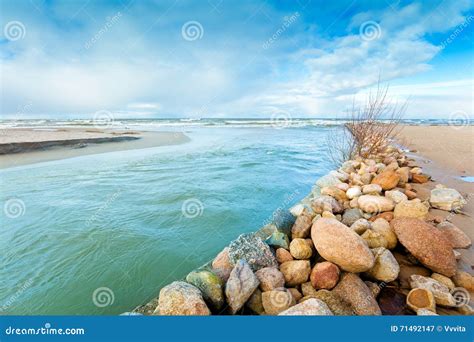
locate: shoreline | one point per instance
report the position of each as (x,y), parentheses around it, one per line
(430,176)
(26,146)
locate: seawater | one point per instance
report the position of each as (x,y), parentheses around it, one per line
(101,234)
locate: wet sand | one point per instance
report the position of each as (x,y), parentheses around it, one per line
(27,145)
(446,153)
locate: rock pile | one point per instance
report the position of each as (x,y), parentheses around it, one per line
(363,242)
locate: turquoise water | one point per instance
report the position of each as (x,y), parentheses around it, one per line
(116,220)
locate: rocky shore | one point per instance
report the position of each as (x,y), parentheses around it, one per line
(367,240)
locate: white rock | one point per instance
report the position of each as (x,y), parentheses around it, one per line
(372,189)
(296,210)
(396,196)
(353,192)
(375,204)
(446,199)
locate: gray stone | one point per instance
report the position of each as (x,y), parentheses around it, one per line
(253,250)
(240,286)
(351,215)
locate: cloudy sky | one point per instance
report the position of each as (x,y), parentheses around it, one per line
(240,59)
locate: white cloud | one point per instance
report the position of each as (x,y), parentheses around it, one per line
(142,65)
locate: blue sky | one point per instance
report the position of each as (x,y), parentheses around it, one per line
(218,58)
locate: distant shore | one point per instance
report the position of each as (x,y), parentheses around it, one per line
(21,146)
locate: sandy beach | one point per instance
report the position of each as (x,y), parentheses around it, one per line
(446,153)
(27,145)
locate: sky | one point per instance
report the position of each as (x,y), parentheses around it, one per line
(233,59)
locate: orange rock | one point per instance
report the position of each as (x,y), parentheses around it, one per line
(387,179)
(283,255)
(421,299)
(410,194)
(420,178)
(324,275)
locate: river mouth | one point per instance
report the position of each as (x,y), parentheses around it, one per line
(130,222)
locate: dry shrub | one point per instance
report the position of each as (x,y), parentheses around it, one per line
(369,128)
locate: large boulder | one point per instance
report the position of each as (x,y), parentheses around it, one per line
(253,250)
(375,204)
(413,208)
(310,307)
(426,243)
(181,299)
(339,244)
(210,285)
(354,291)
(388,179)
(446,199)
(296,272)
(386,268)
(240,286)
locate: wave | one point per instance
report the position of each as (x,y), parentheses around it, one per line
(199,122)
